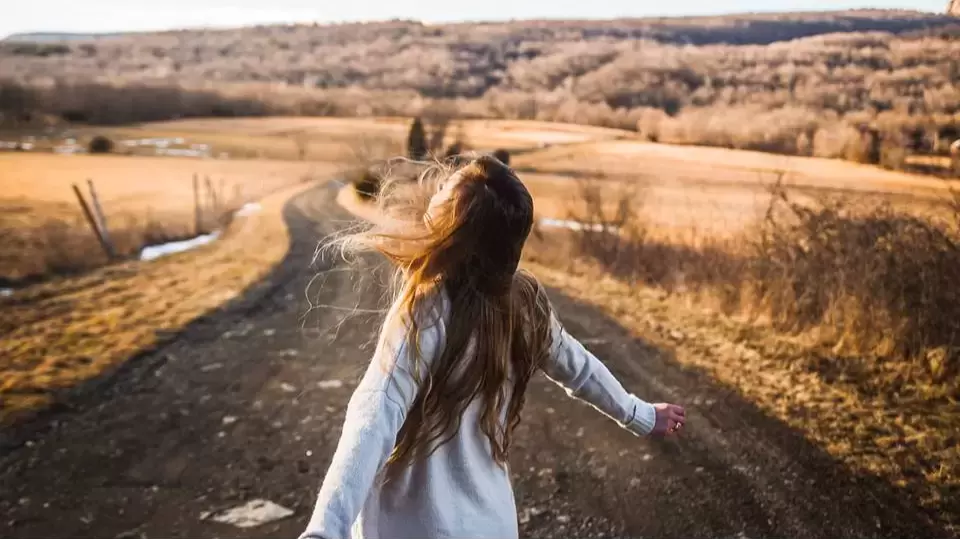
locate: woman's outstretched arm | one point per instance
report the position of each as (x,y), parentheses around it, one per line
(586,378)
(374,417)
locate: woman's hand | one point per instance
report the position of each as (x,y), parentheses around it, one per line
(670,419)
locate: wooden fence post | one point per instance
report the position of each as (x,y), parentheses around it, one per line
(212,194)
(93,222)
(197,206)
(238,195)
(101,218)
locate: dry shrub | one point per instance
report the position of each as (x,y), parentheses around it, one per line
(366,182)
(875,282)
(613,233)
(100,145)
(872,282)
(367,161)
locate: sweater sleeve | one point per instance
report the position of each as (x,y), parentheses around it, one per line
(584,377)
(373,419)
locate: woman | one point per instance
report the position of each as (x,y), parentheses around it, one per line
(424,446)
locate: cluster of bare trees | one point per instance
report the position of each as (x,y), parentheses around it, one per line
(831,84)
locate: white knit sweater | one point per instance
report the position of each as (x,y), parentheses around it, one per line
(459,491)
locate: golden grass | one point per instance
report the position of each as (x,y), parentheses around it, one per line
(42,225)
(714,192)
(58,334)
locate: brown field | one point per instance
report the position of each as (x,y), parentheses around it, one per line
(43,227)
(715,191)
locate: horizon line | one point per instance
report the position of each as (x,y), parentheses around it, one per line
(438,22)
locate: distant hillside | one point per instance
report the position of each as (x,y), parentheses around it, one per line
(856,84)
(466,59)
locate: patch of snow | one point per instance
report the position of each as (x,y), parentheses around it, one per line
(211,367)
(333,383)
(551,223)
(68,149)
(248,209)
(288,388)
(179,152)
(6,292)
(227,420)
(150,253)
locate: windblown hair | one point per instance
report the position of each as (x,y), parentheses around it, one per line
(498,331)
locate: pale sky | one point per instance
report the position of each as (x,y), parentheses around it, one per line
(133,15)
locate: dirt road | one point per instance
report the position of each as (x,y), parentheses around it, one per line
(247,404)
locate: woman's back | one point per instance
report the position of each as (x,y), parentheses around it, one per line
(459,490)
(427,432)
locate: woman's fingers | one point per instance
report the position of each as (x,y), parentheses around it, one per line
(676,417)
(670,418)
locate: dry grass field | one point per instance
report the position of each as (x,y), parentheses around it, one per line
(715,191)
(338,139)
(145,200)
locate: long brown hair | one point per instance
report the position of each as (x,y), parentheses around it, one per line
(498,329)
